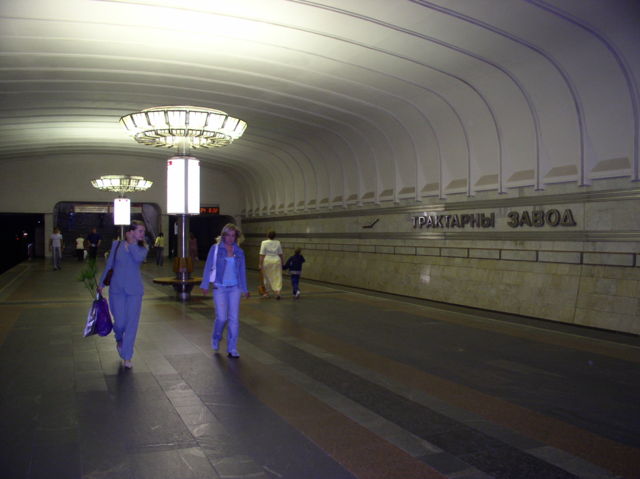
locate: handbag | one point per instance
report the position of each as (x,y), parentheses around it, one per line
(215,264)
(99,318)
(107,278)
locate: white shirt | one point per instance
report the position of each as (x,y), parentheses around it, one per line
(270,248)
(56,240)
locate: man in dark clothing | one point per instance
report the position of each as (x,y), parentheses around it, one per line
(93,241)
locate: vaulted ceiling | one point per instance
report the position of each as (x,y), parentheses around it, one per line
(347,101)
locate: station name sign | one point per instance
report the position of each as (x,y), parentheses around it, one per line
(515,219)
(476,220)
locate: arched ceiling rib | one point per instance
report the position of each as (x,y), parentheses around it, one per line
(348,102)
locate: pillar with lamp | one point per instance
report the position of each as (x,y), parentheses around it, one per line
(121,184)
(183,128)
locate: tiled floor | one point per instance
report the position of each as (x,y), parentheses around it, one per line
(340,384)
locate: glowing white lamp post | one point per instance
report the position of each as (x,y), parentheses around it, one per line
(122,212)
(183,185)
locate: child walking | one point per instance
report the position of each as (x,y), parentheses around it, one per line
(294,265)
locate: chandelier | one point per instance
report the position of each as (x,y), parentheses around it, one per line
(121,183)
(183,127)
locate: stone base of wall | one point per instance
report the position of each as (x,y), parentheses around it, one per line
(604,297)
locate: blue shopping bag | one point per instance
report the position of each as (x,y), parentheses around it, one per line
(99,318)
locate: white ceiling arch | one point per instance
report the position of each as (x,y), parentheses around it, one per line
(348,102)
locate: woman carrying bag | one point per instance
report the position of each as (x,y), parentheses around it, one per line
(122,275)
(225,271)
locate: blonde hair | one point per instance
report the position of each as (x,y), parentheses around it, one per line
(135,224)
(230,227)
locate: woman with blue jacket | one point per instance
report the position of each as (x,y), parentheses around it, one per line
(225,269)
(125,289)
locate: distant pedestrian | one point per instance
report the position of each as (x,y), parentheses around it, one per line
(294,265)
(159,247)
(193,247)
(55,246)
(93,242)
(80,248)
(271,262)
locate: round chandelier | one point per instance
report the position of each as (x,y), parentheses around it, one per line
(121,183)
(183,127)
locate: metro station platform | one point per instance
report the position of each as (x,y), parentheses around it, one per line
(339,384)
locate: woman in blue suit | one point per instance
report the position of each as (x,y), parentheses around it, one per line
(126,290)
(225,269)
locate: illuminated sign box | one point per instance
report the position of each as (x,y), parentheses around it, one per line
(122,211)
(183,185)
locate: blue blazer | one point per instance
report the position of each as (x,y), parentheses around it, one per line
(241,272)
(126,277)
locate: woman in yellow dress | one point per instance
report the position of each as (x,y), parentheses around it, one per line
(271,261)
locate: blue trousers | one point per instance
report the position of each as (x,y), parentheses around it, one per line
(126,314)
(159,256)
(295,282)
(227,303)
(56,257)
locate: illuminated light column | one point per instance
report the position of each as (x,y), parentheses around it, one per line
(183,185)
(183,194)
(183,128)
(122,213)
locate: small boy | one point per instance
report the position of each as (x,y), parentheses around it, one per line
(294,265)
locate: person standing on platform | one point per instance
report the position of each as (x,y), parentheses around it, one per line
(55,246)
(80,248)
(271,262)
(294,265)
(93,240)
(126,289)
(159,247)
(193,247)
(225,271)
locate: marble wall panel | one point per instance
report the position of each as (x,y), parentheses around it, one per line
(484,253)
(405,250)
(559,257)
(513,255)
(610,259)
(455,252)
(428,251)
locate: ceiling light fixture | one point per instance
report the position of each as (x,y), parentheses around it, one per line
(183,127)
(121,183)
